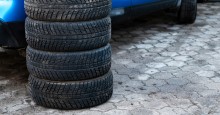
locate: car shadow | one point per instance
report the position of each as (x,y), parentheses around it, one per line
(13,68)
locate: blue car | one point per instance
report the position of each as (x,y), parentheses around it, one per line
(12,15)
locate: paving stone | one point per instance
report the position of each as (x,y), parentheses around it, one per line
(117,112)
(176,63)
(149,54)
(216,79)
(167,111)
(162,75)
(105,107)
(123,90)
(180,103)
(143,111)
(133,83)
(144,46)
(170,54)
(151,71)
(154,104)
(137,97)
(155,65)
(126,47)
(143,77)
(122,61)
(117,98)
(188,53)
(148,90)
(156,50)
(170,69)
(135,65)
(163,59)
(162,45)
(193,110)
(210,68)
(184,74)
(195,87)
(121,78)
(128,105)
(169,88)
(205,73)
(191,68)
(126,71)
(193,48)
(210,93)
(180,111)
(90,113)
(199,80)
(17,107)
(182,58)
(4,82)
(212,85)
(177,81)
(147,41)
(4,95)
(155,82)
(168,40)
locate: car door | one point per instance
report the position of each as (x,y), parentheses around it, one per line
(142,2)
(12,10)
(121,3)
(121,10)
(142,7)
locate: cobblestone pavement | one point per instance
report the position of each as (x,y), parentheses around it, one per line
(160,68)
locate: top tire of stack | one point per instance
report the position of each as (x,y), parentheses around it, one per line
(67,10)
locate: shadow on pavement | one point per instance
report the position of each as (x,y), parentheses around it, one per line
(13,68)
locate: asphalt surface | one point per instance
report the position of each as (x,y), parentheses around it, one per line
(160,68)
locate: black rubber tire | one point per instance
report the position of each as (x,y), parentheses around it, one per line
(73,94)
(67,10)
(68,36)
(67,66)
(188,12)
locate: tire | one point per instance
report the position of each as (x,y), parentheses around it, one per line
(67,10)
(68,36)
(67,66)
(73,94)
(187,12)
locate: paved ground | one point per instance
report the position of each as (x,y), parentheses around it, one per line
(160,68)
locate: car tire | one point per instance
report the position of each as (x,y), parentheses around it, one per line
(67,66)
(71,94)
(187,12)
(67,10)
(68,36)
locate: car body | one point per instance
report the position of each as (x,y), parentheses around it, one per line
(12,16)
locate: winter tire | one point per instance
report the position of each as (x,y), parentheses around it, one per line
(67,10)
(66,66)
(68,36)
(71,94)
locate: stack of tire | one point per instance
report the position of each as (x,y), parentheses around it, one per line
(69,56)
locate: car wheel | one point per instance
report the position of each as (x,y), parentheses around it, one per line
(68,36)
(66,66)
(71,94)
(187,12)
(67,10)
